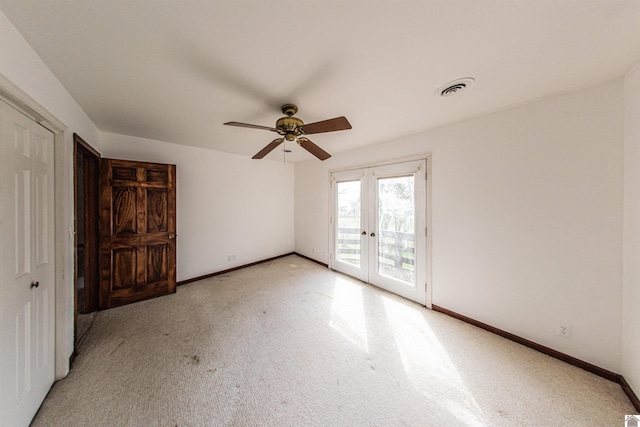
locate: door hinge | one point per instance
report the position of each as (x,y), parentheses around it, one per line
(426,231)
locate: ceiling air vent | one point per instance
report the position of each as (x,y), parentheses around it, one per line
(455,87)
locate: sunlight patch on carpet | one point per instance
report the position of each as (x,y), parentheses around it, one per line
(347,313)
(426,363)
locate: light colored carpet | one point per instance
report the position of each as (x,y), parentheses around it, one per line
(290,343)
(83,324)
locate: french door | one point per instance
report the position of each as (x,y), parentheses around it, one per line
(379,227)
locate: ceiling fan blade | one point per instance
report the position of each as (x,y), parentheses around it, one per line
(269,148)
(247,125)
(313,148)
(331,125)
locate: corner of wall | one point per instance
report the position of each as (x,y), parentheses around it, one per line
(631,232)
(38,88)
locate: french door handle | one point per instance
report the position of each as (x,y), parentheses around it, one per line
(373,234)
(35,284)
(172,236)
(364,233)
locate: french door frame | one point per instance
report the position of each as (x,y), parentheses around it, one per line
(356,174)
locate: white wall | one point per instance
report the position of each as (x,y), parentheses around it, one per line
(631,233)
(527,217)
(227,204)
(22,68)
(527,208)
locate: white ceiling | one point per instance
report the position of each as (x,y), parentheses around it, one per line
(176,70)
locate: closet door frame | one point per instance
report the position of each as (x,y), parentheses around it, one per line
(63,200)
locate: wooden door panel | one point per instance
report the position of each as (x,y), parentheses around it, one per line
(124,211)
(156,176)
(124,268)
(157,270)
(122,173)
(156,210)
(137,228)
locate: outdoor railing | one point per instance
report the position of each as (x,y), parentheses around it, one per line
(396,248)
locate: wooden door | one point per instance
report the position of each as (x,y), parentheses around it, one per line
(137,231)
(27,270)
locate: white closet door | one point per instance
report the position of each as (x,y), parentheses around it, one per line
(379,227)
(26,266)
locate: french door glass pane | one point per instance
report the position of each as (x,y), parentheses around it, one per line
(348,221)
(396,228)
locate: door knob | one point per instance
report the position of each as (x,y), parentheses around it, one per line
(35,284)
(373,234)
(172,236)
(364,233)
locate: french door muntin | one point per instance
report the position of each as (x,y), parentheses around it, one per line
(379,227)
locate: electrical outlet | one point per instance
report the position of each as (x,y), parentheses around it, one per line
(564,331)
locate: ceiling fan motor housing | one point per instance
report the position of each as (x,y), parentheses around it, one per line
(289,127)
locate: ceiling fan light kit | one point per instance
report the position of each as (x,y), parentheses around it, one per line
(292,129)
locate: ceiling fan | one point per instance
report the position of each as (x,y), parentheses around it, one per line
(293,129)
